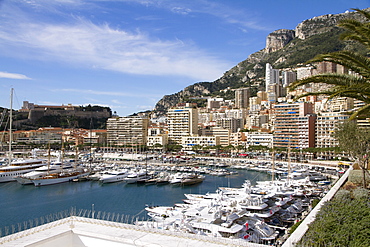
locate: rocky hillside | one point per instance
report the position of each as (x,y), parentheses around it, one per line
(284,49)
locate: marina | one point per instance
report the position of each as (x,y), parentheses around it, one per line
(24,202)
(220,198)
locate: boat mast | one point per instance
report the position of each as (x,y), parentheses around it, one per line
(90,138)
(289,159)
(10,126)
(273,165)
(49,156)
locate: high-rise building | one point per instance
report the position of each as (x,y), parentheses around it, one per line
(272,76)
(242,97)
(214,103)
(233,124)
(182,121)
(288,77)
(273,87)
(123,131)
(326,124)
(294,125)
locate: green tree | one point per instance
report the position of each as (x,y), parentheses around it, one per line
(196,148)
(355,85)
(229,148)
(158,146)
(240,148)
(173,147)
(355,141)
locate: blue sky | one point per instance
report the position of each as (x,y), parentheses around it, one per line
(128,54)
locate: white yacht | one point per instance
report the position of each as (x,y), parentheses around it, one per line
(18,168)
(177,178)
(41,171)
(113,176)
(61,177)
(133,177)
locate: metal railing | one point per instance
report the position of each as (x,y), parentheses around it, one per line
(115,220)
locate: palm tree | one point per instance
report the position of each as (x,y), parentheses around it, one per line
(355,85)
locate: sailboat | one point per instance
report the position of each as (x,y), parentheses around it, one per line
(54,167)
(20,166)
(60,177)
(57,178)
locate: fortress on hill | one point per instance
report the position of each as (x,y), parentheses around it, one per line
(36,112)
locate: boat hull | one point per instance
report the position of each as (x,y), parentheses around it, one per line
(56,180)
(23,180)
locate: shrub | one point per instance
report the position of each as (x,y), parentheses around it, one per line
(341,222)
(356,177)
(360,194)
(343,195)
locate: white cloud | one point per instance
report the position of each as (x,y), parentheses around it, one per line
(13,76)
(100,46)
(181,10)
(106,93)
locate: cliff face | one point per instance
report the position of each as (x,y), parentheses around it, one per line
(283,48)
(321,24)
(278,39)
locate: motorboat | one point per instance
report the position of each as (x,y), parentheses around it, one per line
(192,179)
(163,178)
(114,176)
(134,177)
(177,178)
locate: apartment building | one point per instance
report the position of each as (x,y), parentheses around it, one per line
(233,124)
(223,134)
(341,104)
(272,76)
(156,136)
(288,77)
(123,131)
(188,142)
(182,121)
(259,139)
(326,123)
(256,120)
(294,125)
(254,105)
(238,139)
(242,97)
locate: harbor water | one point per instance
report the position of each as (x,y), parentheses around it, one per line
(20,203)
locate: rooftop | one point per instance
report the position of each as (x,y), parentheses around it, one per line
(80,231)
